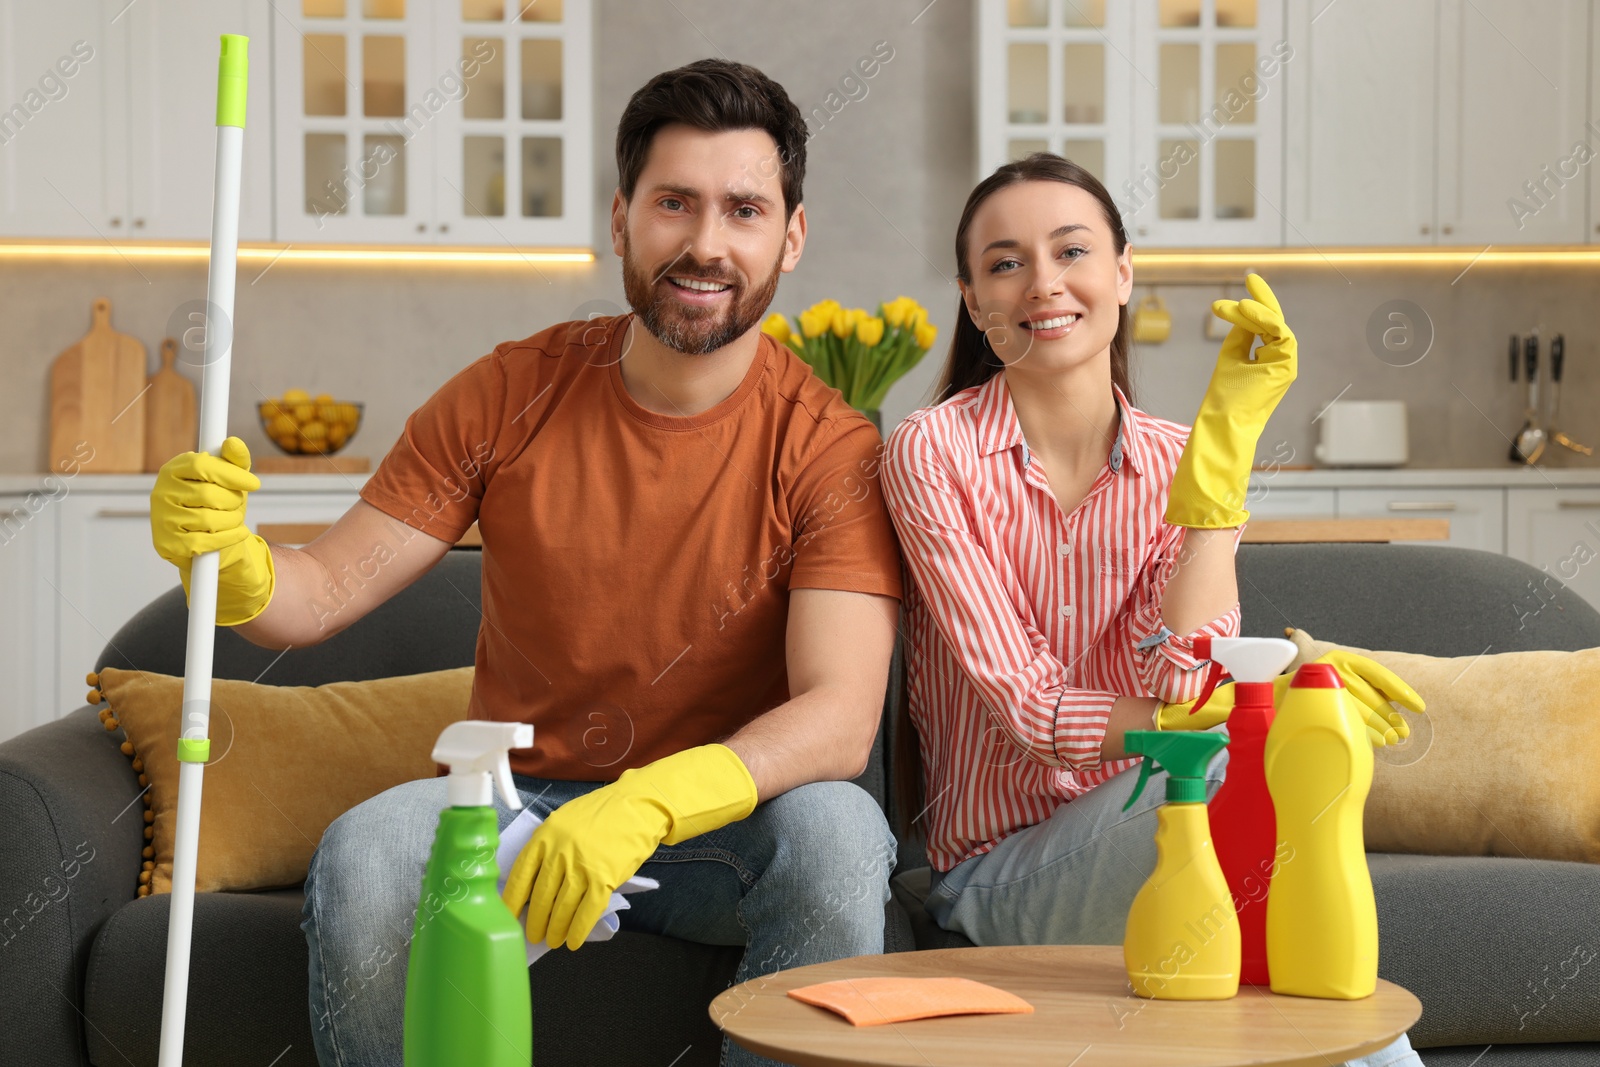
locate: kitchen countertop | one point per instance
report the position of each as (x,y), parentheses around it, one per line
(143,483)
(1322,478)
(1432,477)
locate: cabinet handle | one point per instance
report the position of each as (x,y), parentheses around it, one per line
(116,220)
(1570,505)
(422,227)
(1422,505)
(444,227)
(138,224)
(1143,230)
(123,513)
(1447,228)
(1426,229)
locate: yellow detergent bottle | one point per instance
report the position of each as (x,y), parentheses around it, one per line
(1182,939)
(1322,919)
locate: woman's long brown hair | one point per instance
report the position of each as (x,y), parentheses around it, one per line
(972,362)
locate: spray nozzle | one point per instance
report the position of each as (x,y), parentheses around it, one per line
(1247,659)
(476,753)
(1184,755)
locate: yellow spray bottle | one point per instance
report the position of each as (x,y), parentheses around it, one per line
(1182,939)
(1322,919)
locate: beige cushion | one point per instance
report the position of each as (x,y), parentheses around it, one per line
(285,762)
(1503,763)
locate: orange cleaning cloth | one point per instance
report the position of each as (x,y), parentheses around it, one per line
(874,1001)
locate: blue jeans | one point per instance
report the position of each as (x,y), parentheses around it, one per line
(804,879)
(1071,879)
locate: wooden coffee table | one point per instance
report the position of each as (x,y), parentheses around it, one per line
(1084,1015)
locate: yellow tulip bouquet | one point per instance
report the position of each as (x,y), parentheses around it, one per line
(860,355)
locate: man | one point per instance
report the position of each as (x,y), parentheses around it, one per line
(690,589)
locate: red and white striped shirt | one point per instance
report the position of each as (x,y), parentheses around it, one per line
(1025,624)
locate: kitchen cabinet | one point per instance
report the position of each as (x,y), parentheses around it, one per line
(1207,123)
(1174,105)
(1433,123)
(110,124)
(463,122)
(1267,500)
(27,608)
(1362,115)
(76,563)
(1477,516)
(56,124)
(1558,531)
(172,115)
(1513,100)
(1058,78)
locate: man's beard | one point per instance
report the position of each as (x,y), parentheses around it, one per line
(685,328)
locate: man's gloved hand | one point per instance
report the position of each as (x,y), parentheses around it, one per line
(592,844)
(197,506)
(1213,476)
(1370,684)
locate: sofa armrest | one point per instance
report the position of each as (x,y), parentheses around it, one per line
(71,846)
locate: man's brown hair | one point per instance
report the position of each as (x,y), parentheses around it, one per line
(714,95)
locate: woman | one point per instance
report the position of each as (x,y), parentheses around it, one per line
(1063,551)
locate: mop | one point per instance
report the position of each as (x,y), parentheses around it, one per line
(194,746)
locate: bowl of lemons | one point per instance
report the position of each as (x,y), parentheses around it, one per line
(306,425)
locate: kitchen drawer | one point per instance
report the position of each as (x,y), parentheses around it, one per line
(1558,531)
(1477,516)
(1267,501)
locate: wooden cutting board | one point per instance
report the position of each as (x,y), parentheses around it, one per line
(97,413)
(171,412)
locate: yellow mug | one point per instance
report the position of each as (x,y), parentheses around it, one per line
(1152,322)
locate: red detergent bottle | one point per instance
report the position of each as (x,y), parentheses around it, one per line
(1244,827)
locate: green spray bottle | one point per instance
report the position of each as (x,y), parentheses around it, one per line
(1182,940)
(467,997)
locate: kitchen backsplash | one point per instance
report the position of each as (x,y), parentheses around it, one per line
(390,336)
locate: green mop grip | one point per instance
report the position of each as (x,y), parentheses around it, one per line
(232,75)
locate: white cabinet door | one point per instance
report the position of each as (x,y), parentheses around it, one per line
(356,95)
(172,123)
(1208,123)
(63,121)
(1558,531)
(457,122)
(1266,501)
(28,606)
(1513,96)
(1477,516)
(1362,118)
(107,571)
(512,154)
(1057,78)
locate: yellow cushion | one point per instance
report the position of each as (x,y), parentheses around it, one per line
(1501,764)
(285,762)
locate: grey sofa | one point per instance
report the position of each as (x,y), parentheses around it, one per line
(81,962)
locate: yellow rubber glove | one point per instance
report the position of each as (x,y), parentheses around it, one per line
(590,845)
(1213,477)
(1371,684)
(197,506)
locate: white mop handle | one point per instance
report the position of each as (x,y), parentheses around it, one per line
(203,570)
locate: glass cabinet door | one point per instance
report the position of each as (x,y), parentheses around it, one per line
(353,117)
(513,149)
(1064,66)
(1208,101)
(455,122)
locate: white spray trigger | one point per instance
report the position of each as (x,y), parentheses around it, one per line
(1253,659)
(476,751)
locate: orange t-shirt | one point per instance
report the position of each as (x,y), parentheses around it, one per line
(637,566)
